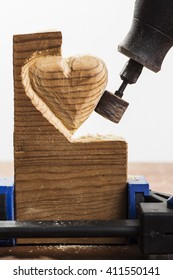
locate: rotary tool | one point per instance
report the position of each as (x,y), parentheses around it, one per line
(146,44)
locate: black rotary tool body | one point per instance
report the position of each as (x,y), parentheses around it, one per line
(146,44)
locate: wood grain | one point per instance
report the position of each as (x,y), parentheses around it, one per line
(159,175)
(56,179)
(64,90)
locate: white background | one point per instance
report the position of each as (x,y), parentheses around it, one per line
(93,27)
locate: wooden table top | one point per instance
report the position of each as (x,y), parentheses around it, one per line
(160,178)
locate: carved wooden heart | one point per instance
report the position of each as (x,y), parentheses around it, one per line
(65,91)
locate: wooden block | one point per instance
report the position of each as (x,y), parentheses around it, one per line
(58,178)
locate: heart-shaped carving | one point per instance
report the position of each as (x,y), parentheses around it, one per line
(65,91)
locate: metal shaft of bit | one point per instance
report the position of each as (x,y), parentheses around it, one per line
(121,89)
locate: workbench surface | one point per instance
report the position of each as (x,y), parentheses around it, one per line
(160,178)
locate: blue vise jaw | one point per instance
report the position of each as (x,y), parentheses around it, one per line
(7,205)
(137,188)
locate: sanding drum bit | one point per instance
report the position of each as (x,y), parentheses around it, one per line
(112,106)
(146,44)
